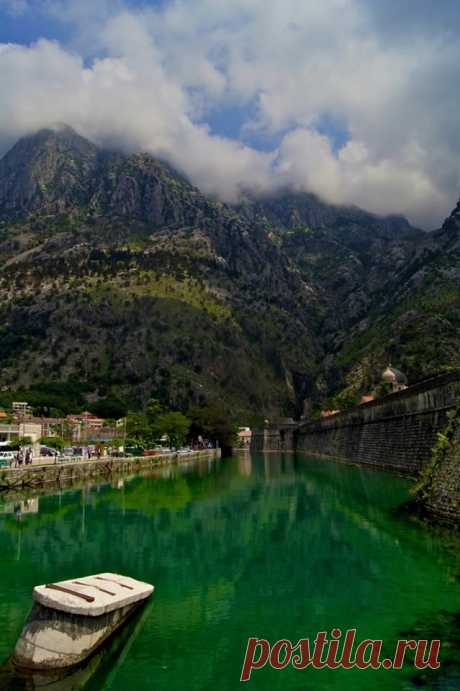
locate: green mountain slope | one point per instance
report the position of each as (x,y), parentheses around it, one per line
(416,322)
(118,274)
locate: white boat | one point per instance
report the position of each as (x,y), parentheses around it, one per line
(71,619)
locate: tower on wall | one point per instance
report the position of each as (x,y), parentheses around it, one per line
(395,378)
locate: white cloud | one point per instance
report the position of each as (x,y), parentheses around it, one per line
(158,70)
(306,161)
(126,101)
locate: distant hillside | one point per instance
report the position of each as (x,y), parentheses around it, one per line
(415,320)
(118,274)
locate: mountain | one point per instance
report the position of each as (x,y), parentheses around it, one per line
(118,275)
(415,321)
(48,172)
(348,253)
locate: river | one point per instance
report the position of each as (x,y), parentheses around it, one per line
(268,546)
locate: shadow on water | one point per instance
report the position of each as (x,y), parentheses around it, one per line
(447,677)
(93,674)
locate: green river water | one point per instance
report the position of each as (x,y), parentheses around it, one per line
(274,547)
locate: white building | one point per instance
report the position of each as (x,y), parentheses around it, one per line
(15,430)
(395,378)
(21,408)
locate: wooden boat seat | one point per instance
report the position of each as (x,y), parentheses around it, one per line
(92,595)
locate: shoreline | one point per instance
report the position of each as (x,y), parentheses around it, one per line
(35,476)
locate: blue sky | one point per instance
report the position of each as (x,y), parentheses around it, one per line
(354,100)
(27,22)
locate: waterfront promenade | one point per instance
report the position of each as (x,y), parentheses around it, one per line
(48,473)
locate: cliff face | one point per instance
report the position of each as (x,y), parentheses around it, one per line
(118,273)
(415,319)
(47,172)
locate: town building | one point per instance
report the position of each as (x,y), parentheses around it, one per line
(367,398)
(50,426)
(395,378)
(21,408)
(329,413)
(244,437)
(9,432)
(86,419)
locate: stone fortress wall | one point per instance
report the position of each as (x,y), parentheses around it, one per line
(396,433)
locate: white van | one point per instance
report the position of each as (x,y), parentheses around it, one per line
(6,457)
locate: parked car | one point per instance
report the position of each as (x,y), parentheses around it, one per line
(68,451)
(134,451)
(48,451)
(6,457)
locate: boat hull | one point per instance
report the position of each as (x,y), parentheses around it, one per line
(53,639)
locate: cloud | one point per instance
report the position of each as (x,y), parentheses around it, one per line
(148,78)
(306,161)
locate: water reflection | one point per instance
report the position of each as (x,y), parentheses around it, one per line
(272,545)
(93,674)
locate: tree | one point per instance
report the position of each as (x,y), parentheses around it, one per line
(63,429)
(111,408)
(153,410)
(214,423)
(344,400)
(137,428)
(15,444)
(174,425)
(53,442)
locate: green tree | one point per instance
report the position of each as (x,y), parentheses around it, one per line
(20,441)
(174,425)
(214,423)
(383,389)
(344,400)
(52,442)
(110,408)
(64,430)
(138,430)
(153,410)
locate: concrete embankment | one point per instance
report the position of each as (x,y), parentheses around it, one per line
(42,475)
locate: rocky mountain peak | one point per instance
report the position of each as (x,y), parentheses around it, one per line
(48,171)
(112,248)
